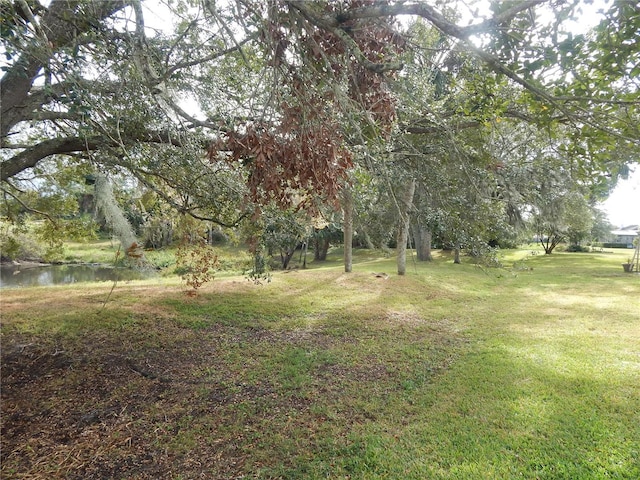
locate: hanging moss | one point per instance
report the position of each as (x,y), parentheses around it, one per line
(107,205)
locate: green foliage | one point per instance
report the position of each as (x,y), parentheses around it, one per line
(53,234)
(562,215)
(574,248)
(43,240)
(602,228)
(17,242)
(259,271)
(282,232)
(322,238)
(286,100)
(375,211)
(611,245)
(579,218)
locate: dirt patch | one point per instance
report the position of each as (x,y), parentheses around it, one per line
(99,411)
(169,402)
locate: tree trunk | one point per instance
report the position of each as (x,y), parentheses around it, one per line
(305,245)
(422,241)
(421,233)
(367,240)
(347,228)
(406,200)
(86,204)
(551,243)
(286,256)
(456,254)
(321,245)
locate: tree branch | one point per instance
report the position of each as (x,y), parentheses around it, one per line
(30,157)
(208,58)
(28,208)
(425,11)
(502,18)
(63,24)
(140,175)
(333,22)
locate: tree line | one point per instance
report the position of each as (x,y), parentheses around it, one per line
(469,124)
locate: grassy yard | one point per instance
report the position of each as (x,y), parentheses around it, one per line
(450,372)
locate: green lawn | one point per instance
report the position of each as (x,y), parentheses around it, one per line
(451,372)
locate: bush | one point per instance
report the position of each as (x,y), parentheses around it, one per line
(197,264)
(43,240)
(20,244)
(614,245)
(161,259)
(577,249)
(158,233)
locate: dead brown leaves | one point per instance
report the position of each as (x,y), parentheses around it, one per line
(324,90)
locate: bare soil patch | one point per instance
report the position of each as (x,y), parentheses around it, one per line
(175,402)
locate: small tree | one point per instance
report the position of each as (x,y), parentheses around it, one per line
(578,218)
(601,228)
(561,217)
(549,232)
(322,238)
(283,231)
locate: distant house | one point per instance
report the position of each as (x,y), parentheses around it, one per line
(626,235)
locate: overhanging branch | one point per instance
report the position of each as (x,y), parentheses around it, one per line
(141,176)
(30,157)
(58,22)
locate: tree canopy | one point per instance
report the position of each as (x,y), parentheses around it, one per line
(235,104)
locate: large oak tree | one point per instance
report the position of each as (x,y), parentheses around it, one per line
(282,93)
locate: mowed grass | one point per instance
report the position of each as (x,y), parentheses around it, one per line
(450,372)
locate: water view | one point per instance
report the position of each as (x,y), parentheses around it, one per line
(45,275)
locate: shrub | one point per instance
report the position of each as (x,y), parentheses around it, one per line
(18,243)
(576,248)
(614,245)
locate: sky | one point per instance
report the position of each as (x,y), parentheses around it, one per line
(623,205)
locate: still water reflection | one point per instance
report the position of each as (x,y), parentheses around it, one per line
(34,276)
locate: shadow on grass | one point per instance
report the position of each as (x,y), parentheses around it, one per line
(222,386)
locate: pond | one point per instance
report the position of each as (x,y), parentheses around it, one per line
(45,275)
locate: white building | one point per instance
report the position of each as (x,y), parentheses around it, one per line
(626,235)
